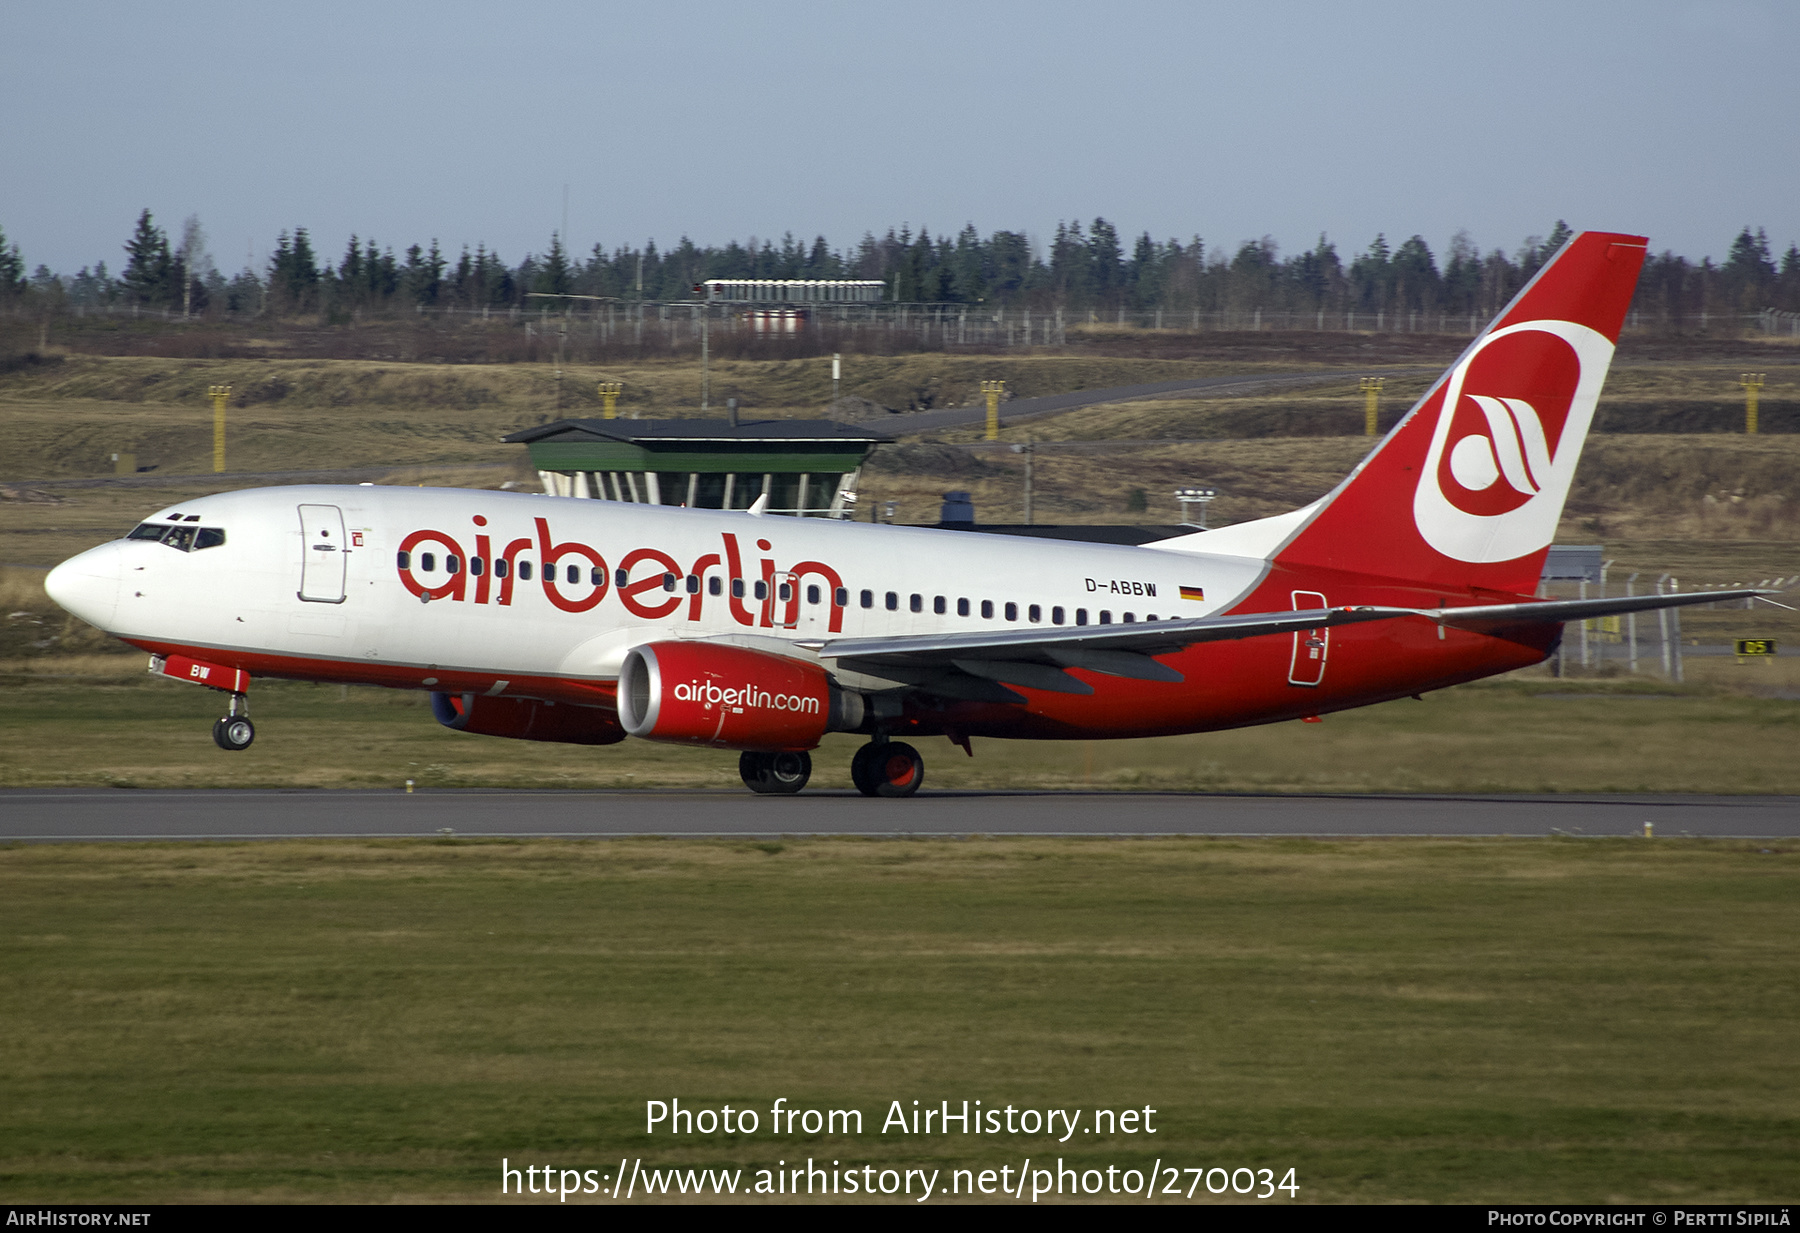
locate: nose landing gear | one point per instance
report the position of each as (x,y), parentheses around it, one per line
(887,768)
(235,731)
(774,773)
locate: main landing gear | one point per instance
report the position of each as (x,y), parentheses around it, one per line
(880,768)
(773,773)
(887,768)
(235,731)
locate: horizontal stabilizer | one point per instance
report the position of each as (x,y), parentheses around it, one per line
(1125,650)
(1492,615)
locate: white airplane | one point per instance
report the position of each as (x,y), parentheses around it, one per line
(549,619)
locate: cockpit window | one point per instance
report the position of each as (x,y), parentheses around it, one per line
(181,538)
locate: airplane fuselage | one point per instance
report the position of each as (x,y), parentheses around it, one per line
(521,595)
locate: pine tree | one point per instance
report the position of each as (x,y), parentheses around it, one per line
(12,270)
(1559,235)
(1417,285)
(1105,263)
(148,267)
(553,275)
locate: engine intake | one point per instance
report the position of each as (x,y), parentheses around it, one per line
(729,697)
(527,719)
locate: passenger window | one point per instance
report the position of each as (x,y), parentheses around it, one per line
(621,577)
(962,607)
(737,588)
(453,565)
(1056,616)
(1105,617)
(784,592)
(573,574)
(427,562)
(938,606)
(714,586)
(987,609)
(524,571)
(1129,618)
(596,577)
(210,537)
(1150,616)
(841,597)
(917,603)
(1035,614)
(668,582)
(1012,612)
(893,602)
(501,567)
(402,559)
(693,584)
(812,595)
(868,599)
(762,589)
(477,566)
(1081,616)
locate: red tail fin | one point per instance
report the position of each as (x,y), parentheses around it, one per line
(1468,489)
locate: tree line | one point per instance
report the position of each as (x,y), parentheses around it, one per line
(1084,268)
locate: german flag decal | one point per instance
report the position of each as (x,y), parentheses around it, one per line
(1193,593)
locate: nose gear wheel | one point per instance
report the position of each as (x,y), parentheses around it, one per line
(234,732)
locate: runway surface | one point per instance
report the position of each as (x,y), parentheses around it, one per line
(40,815)
(1049,404)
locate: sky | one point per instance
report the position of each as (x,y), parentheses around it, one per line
(1286,118)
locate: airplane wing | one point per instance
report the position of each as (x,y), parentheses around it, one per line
(978,666)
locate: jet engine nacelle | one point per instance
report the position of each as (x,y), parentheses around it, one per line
(527,719)
(702,693)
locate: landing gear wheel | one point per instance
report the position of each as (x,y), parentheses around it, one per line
(234,732)
(859,769)
(774,773)
(893,768)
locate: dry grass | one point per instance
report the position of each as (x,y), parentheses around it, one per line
(1438,1021)
(100,721)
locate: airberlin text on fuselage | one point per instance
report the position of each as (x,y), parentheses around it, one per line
(580,587)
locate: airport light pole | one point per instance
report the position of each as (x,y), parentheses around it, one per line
(837,374)
(1752,382)
(1371,388)
(1025,449)
(219,394)
(705,347)
(992,390)
(1190,497)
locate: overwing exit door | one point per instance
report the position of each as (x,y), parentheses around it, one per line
(1310,645)
(322,554)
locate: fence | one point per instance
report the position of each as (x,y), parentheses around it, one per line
(666,325)
(1638,638)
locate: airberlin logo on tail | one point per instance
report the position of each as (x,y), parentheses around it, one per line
(1510,427)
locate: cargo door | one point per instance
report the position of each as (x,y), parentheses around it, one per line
(1310,645)
(322,554)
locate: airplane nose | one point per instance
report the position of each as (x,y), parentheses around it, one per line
(88,585)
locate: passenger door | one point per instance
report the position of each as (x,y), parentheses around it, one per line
(322,553)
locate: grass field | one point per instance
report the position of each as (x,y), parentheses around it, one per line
(103,722)
(1473,1021)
